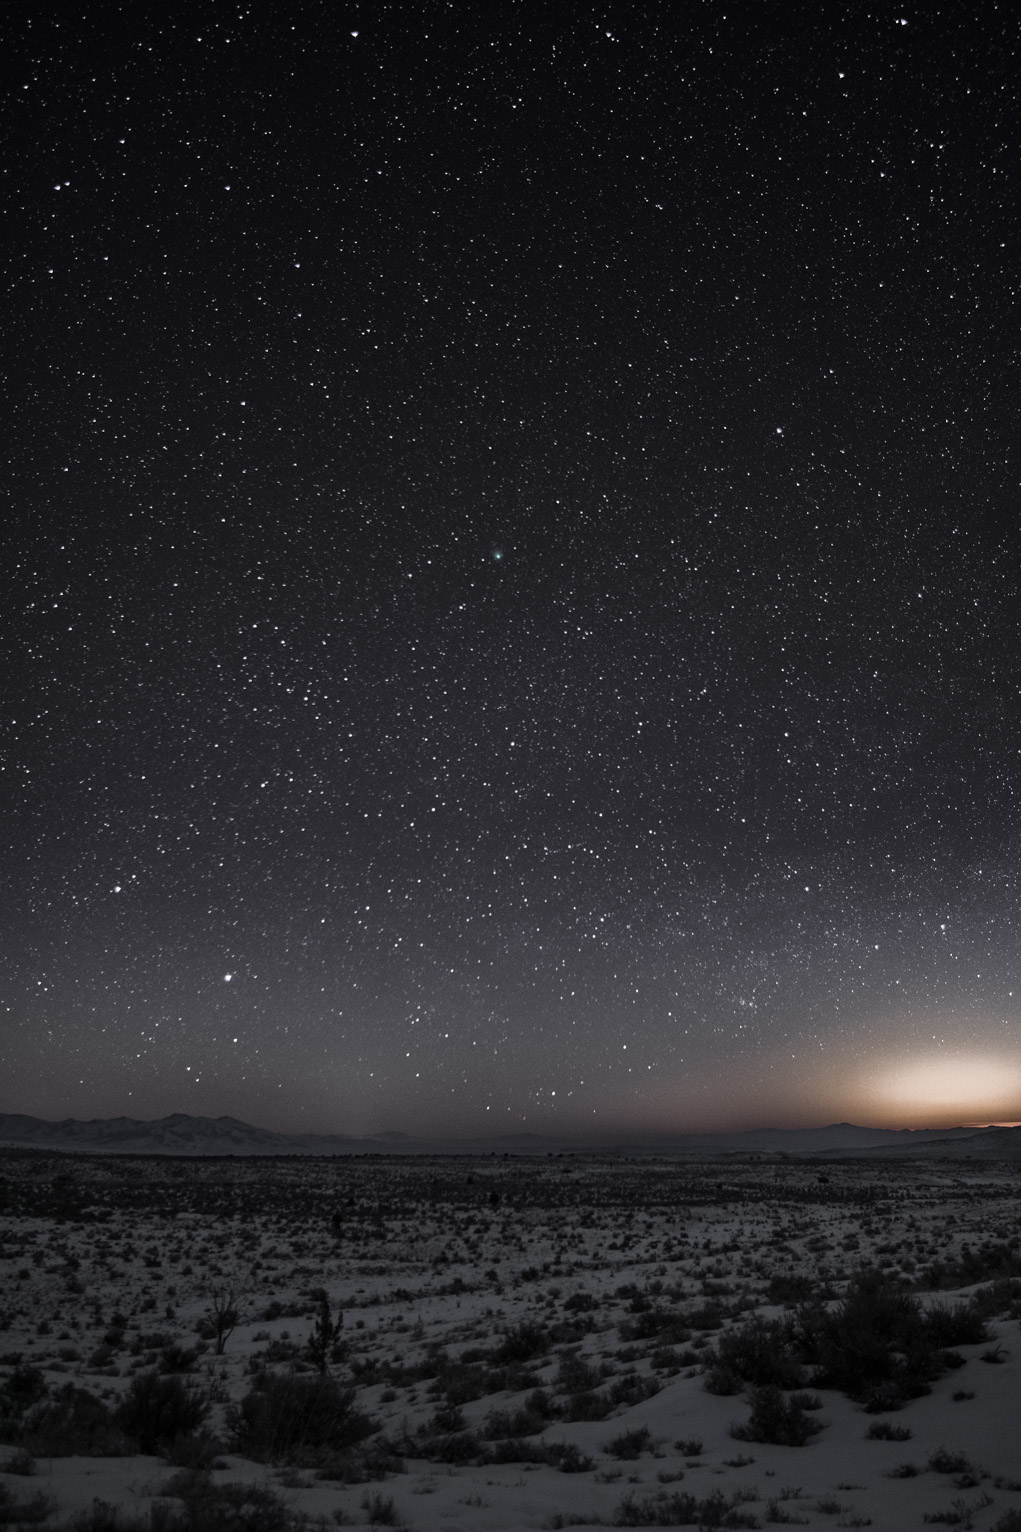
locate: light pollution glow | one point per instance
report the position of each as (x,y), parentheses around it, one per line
(946,1090)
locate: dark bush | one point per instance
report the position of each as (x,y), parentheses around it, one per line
(723,1381)
(575,1375)
(630,1444)
(885,1431)
(683,1510)
(670,1328)
(789,1289)
(73,1423)
(631,1388)
(943,1461)
(448,1447)
(761,1352)
(564,1456)
(21,1390)
(961,1324)
(587,1406)
(23,1513)
(289,1416)
(156,1409)
(176,1358)
(581,1303)
(876,1346)
(521,1344)
(776,1419)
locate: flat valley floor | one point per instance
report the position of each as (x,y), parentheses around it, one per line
(508,1343)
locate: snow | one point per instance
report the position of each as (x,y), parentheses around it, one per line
(420,1254)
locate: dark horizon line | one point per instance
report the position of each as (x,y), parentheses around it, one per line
(616,1134)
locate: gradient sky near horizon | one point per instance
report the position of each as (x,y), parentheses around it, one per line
(511,566)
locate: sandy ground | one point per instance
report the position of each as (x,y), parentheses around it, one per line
(105,1263)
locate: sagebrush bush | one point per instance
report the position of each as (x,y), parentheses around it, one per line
(159,1407)
(289,1416)
(630,1444)
(761,1351)
(72,1422)
(961,1324)
(521,1344)
(23,1513)
(776,1419)
(682,1509)
(876,1345)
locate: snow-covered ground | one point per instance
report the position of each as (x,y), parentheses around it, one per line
(586,1298)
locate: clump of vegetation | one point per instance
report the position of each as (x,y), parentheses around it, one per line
(886,1431)
(682,1509)
(759,1352)
(521,1344)
(72,1422)
(291,1417)
(324,1344)
(159,1408)
(877,1346)
(630,1444)
(777,1419)
(23,1513)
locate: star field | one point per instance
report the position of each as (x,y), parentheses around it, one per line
(511,566)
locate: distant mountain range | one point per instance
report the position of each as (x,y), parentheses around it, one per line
(181,1134)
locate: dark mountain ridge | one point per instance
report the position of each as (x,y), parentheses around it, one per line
(182,1134)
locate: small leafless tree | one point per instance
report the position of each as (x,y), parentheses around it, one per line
(225,1302)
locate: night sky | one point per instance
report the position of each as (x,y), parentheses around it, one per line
(511,565)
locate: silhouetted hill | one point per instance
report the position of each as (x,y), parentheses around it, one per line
(182,1134)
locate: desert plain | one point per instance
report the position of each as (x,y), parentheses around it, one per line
(474,1344)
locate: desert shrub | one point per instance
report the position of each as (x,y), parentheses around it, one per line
(1000,1297)
(23,1513)
(177,1358)
(209,1507)
(663,1325)
(521,1344)
(630,1444)
(789,1289)
(448,1447)
(885,1431)
(631,1388)
(289,1415)
(531,1418)
(943,1461)
(196,1450)
(681,1509)
(1010,1521)
(581,1303)
(709,1317)
(723,1381)
(564,1456)
(100,1516)
(156,1409)
(778,1513)
(990,1262)
(575,1375)
(875,1346)
(366,1463)
(760,1352)
(21,1390)
(72,1422)
(776,1419)
(20,1462)
(961,1324)
(587,1406)
(380,1511)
